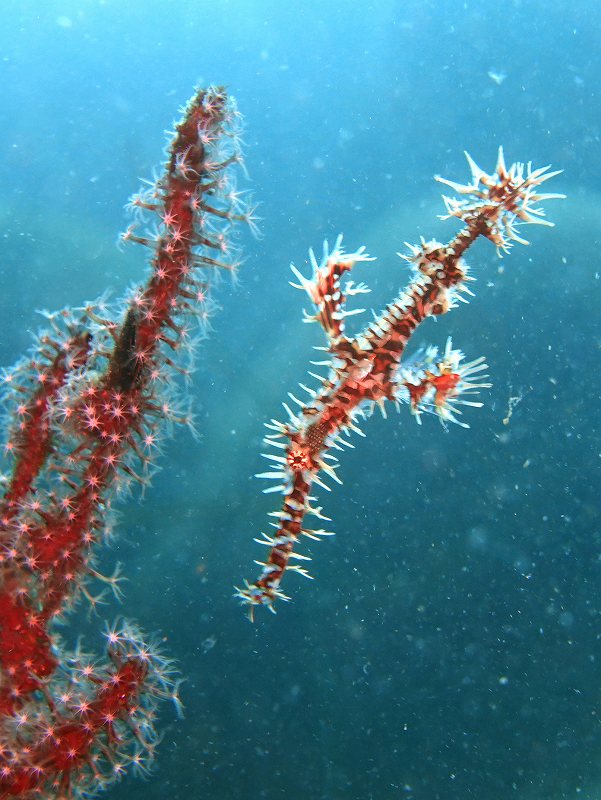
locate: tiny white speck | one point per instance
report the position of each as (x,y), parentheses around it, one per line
(496,77)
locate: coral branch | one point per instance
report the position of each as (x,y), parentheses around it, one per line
(85,412)
(371,368)
(30,441)
(101,723)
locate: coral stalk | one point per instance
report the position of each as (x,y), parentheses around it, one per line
(85,412)
(372,368)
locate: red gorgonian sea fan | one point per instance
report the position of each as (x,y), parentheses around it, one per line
(85,412)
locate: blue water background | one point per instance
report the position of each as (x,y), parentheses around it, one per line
(449,647)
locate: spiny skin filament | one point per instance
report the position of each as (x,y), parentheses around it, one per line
(371,368)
